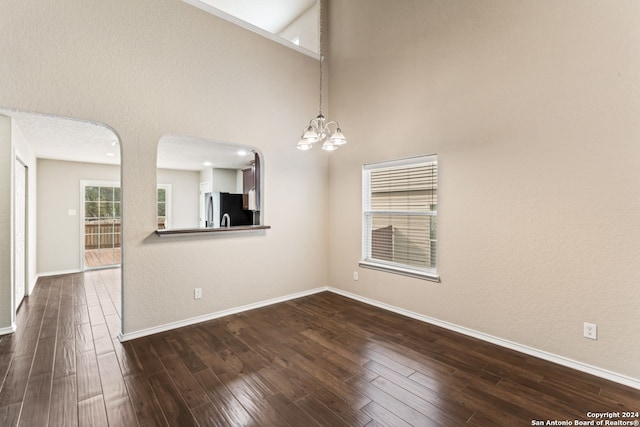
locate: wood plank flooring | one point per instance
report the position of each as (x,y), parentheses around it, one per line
(319,360)
(102,257)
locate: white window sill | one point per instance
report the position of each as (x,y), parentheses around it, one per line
(399,270)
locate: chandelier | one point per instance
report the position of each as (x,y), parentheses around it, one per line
(319,129)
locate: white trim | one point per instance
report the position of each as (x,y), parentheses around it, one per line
(401,163)
(32,285)
(560,360)
(264,33)
(55,273)
(187,322)
(430,163)
(81,223)
(398,269)
(554,358)
(10,330)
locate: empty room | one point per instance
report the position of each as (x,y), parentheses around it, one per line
(305,212)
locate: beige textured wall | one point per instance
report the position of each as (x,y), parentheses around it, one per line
(185,196)
(148,68)
(224,180)
(532,107)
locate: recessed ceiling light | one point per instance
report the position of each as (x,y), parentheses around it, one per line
(242,153)
(207,163)
(110,154)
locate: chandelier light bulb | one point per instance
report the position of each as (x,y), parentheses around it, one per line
(329,146)
(310,135)
(304,145)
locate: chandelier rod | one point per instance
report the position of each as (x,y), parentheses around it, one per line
(320,49)
(319,129)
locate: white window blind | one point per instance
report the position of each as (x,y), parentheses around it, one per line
(400,216)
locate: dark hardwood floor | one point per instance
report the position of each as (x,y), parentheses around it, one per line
(318,360)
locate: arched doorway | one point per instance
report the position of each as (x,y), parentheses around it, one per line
(58,155)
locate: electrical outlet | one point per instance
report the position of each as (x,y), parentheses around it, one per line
(590,331)
(355,275)
(197,293)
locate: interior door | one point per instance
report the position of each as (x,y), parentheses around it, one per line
(20,215)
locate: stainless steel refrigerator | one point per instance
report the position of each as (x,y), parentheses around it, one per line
(220,204)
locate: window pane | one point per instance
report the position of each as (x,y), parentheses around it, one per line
(91,193)
(400,206)
(106,193)
(91,210)
(414,201)
(433,227)
(106,209)
(92,241)
(102,225)
(162,195)
(161,209)
(106,226)
(403,239)
(408,178)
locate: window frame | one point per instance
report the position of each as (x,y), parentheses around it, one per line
(84,183)
(367,261)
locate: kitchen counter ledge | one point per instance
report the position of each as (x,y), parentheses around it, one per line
(183,231)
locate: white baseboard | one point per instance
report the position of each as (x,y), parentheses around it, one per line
(174,325)
(560,360)
(554,358)
(11,329)
(58,273)
(32,285)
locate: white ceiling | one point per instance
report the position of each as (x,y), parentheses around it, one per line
(80,141)
(67,139)
(270,15)
(190,153)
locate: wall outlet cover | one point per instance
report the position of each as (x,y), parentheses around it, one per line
(590,331)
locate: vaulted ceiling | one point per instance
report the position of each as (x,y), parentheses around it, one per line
(75,140)
(270,15)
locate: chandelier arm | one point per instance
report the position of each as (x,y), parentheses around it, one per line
(332,122)
(315,125)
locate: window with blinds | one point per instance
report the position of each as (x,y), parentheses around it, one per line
(400,211)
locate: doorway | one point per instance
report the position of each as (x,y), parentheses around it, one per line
(20,231)
(66,151)
(205,187)
(101,224)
